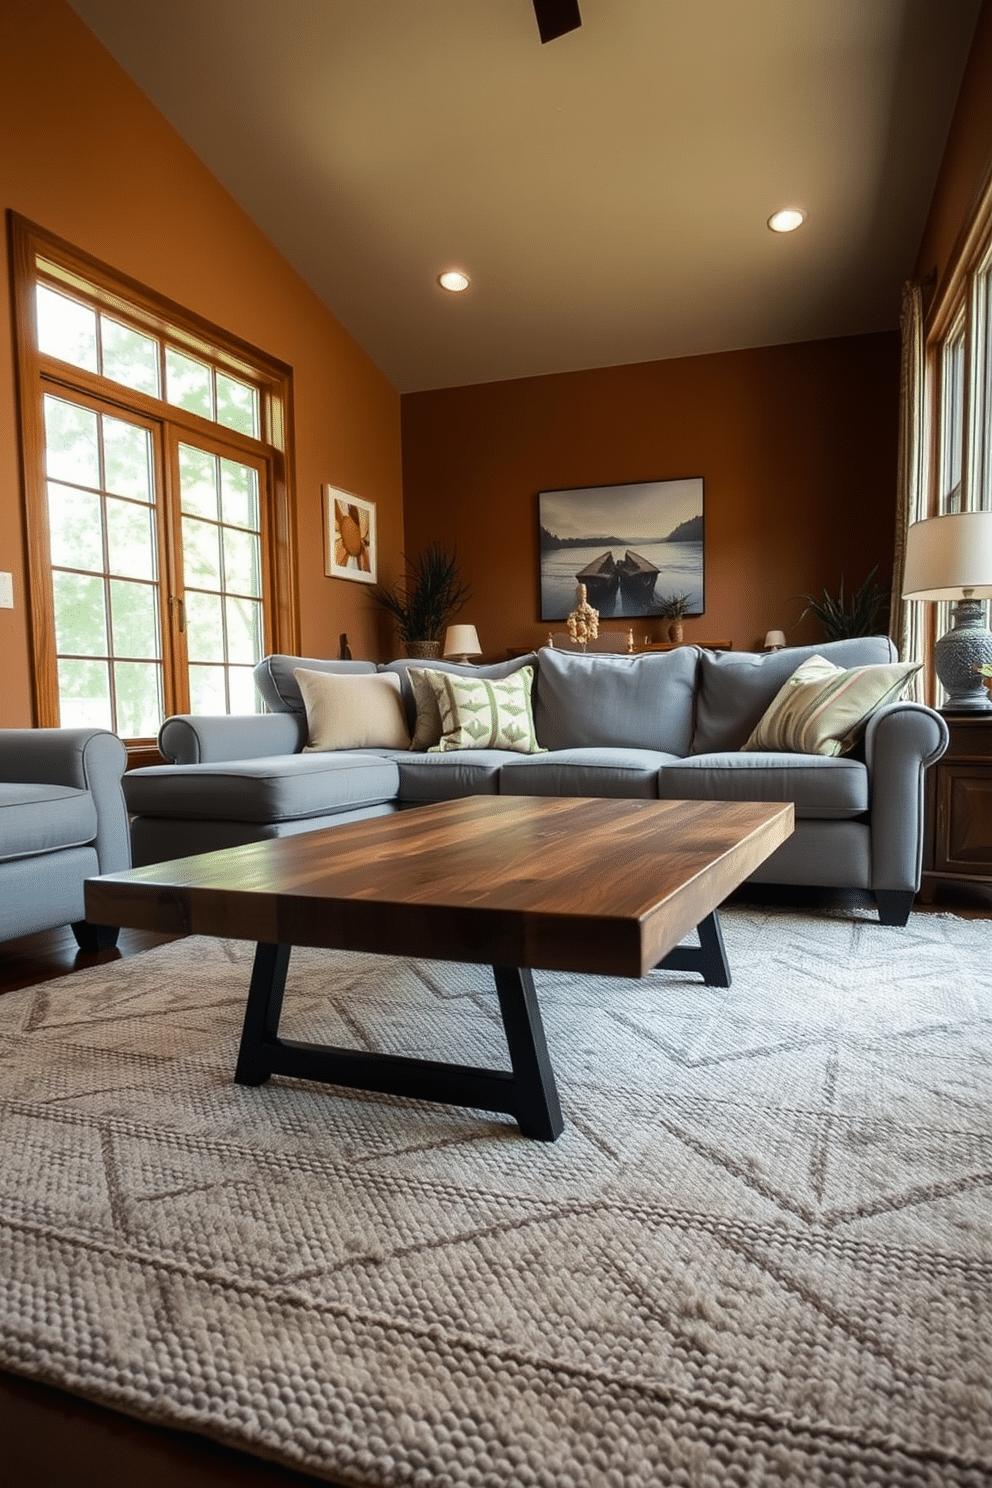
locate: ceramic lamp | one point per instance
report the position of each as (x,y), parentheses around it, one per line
(950,557)
(461,642)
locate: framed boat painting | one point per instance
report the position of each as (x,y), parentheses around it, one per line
(349,535)
(635,547)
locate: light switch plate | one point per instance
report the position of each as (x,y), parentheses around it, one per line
(6,591)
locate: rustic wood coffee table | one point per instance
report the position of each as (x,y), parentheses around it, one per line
(571,884)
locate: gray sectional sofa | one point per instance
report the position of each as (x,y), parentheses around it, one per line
(668,724)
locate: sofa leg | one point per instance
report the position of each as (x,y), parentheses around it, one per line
(894,905)
(95,937)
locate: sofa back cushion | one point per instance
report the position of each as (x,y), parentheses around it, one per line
(737,687)
(276,682)
(595,700)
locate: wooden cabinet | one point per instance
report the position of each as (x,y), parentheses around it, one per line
(958,842)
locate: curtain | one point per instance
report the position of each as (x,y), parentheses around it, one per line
(906,624)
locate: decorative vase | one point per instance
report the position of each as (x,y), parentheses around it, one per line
(676,631)
(423,650)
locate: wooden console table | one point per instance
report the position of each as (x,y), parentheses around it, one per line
(621,650)
(958,841)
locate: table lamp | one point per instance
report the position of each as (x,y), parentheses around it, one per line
(950,557)
(775,640)
(461,642)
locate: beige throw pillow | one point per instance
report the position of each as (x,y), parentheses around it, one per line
(823,709)
(485,713)
(363,711)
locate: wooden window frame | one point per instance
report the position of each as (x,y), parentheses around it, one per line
(136,304)
(964,294)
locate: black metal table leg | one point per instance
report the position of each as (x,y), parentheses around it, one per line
(261,1026)
(539,1110)
(528,1093)
(709,958)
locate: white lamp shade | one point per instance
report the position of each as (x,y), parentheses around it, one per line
(775,640)
(462,640)
(947,555)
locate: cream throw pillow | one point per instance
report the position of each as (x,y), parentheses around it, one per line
(353,711)
(484,713)
(822,709)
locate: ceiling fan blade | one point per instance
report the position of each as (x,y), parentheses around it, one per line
(555,17)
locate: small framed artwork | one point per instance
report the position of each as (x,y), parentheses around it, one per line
(349,536)
(637,548)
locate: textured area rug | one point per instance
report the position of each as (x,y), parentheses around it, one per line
(761,1252)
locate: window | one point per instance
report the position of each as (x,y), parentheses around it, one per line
(156,497)
(951,453)
(959,388)
(982,397)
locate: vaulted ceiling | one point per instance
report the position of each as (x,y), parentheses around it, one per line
(607,192)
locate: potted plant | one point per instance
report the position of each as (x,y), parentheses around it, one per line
(843,617)
(674,607)
(424,600)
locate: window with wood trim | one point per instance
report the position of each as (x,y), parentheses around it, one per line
(959,376)
(157,501)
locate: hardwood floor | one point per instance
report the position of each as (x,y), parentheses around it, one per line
(50,1439)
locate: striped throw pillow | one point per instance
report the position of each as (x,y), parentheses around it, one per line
(823,709)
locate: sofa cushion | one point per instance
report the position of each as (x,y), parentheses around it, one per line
(276,684)
(44,818)
(585,772)
(484,712)
(823,709)
(279,787)
(403,665)
(819,787)
(603,700)
(354,711)
(735,688)
(448,777)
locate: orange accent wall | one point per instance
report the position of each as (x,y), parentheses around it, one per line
(86,155)
(797,446)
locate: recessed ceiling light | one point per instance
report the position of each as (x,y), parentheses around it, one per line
(787,220)
(453,280)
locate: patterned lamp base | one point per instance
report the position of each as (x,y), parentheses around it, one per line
(967,645)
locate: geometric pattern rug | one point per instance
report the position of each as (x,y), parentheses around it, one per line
(759,1253)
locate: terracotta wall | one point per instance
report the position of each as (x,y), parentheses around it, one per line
(84,154)
(967,161)
(796,444)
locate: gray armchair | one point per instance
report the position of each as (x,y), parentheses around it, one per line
(62,820)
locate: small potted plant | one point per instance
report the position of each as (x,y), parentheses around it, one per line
(675,607)
(422,602)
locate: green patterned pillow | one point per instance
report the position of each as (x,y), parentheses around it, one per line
(823,709)
(484,713)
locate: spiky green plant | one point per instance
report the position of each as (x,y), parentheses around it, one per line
(845,616)
(426,597)
(674,606)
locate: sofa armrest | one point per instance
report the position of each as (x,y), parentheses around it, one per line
(200,739)
(86,759)
(901,742)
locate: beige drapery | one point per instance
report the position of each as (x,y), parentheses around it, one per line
(906,622)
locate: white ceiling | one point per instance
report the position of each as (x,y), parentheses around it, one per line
(607,191)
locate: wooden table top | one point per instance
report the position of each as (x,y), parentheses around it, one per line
(564,883)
